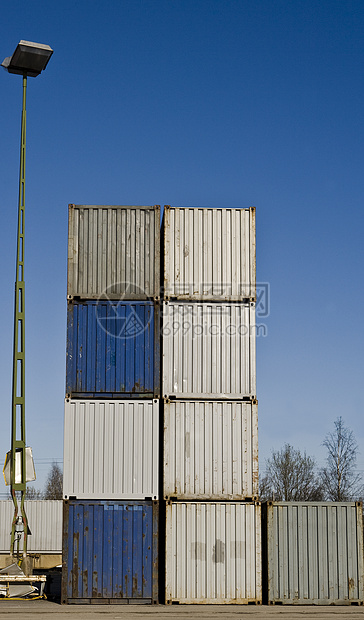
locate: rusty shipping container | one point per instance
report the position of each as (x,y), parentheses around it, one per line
(209,254)
(112,349)
(209,350)
(213,553)
(110,552)
(113,252)
(111,449)
(210,450)
(314,553)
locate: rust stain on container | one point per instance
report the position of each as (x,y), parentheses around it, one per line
(218,552)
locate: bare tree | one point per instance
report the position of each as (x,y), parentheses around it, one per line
(33,493)
(266,491)
(54,484)
(290,476)
(340,479)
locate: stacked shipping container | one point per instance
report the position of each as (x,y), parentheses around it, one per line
(46,520)
(203,459)
(210,459)
(313,553)
(111,454)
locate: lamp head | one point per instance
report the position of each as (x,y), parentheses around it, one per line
(28,59)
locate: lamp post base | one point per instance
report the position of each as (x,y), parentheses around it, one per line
(26,565)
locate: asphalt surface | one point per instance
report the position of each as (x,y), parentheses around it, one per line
(42,610)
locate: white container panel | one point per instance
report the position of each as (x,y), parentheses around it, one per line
(45,523)
(213,553)
(211,450)
(209,254)
(111,449)
(113,251)
(209,350)
(314,553)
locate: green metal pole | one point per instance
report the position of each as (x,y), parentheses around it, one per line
(18,391)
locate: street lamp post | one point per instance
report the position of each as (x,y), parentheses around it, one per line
(29,59)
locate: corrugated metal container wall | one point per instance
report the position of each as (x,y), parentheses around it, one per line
(314,552)
(115,251)
(211,450)
(110,552)
(209,254)
(112,349)
(213,553)
(45,522)
(209,350)
(111,449)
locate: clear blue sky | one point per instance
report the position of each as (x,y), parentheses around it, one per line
(211,103)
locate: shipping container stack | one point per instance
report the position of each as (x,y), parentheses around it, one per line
(111,442)
(212,516)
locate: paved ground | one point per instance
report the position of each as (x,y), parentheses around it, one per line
(42,610)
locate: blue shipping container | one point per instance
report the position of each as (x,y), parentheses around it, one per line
(110,552)
(112,349)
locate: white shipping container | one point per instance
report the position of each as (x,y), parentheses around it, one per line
(314,553)
(113,251)
(209,350)
(45,523)
(209,254)
(211,450)
(111,449)
(213,553)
